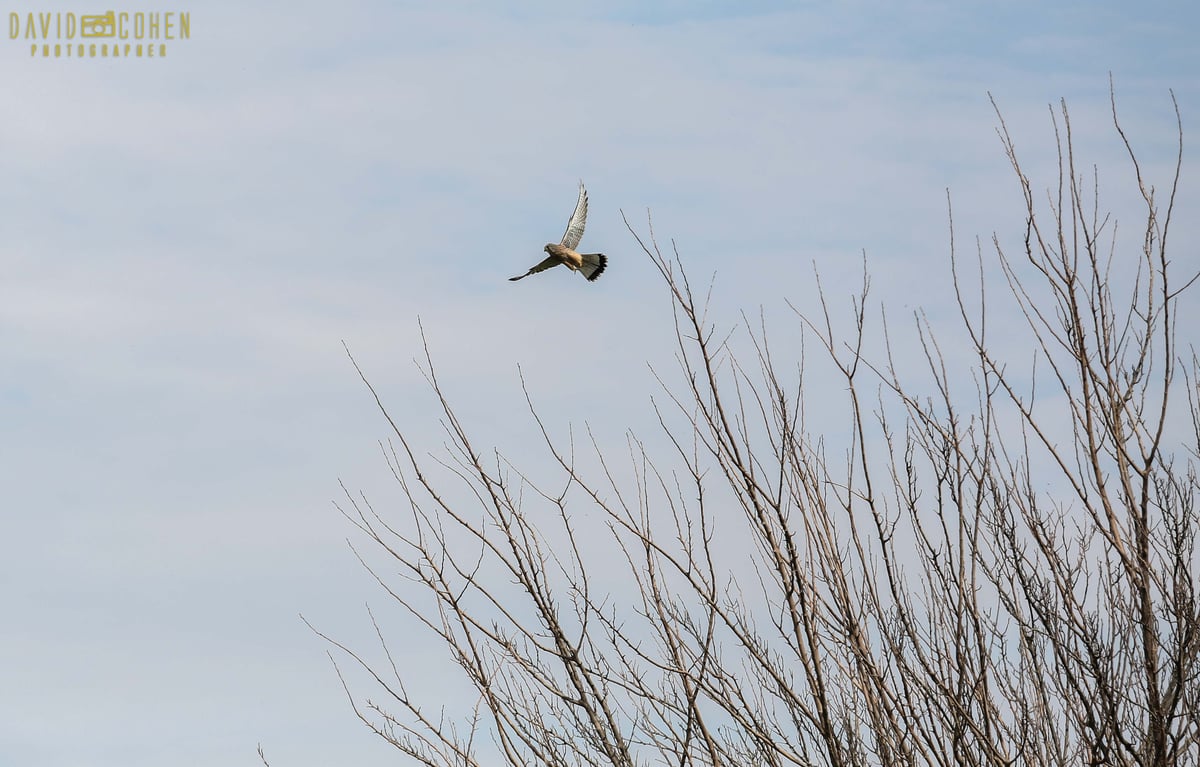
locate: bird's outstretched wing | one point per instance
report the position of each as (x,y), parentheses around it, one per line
(543,266)
(575,226)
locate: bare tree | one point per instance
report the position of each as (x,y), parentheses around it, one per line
(1005,576)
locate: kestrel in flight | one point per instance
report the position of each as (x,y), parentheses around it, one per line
(590,265)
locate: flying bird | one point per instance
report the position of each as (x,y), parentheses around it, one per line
(590,265)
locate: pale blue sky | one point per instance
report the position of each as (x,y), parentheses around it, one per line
(185,242)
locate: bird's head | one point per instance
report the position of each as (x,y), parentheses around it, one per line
(549,247)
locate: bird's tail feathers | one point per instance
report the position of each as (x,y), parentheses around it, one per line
(593,265)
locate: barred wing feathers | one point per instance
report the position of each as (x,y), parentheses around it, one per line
(575,226)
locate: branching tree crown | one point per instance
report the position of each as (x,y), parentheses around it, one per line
(1002,579)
